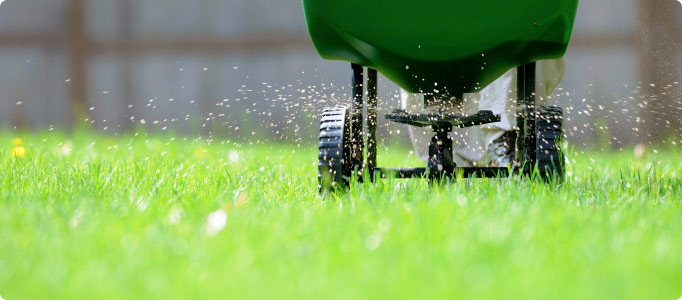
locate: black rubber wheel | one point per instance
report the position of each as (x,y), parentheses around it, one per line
(334,165)
(549,157)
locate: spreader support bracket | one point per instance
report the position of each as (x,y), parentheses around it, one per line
(440,119)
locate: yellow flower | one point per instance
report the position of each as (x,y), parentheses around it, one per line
(18,151)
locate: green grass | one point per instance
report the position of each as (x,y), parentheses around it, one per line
(126,218)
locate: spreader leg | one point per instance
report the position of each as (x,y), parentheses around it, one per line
(440,161)
(357,140)
(525,90)
(371,121)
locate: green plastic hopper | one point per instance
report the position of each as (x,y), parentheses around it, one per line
(450,46)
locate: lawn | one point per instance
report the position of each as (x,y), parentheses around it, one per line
(88,216)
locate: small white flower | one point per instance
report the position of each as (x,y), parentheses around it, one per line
(216,222)
(234,156)
(373,242)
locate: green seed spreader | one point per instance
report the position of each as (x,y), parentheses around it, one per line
(443,49)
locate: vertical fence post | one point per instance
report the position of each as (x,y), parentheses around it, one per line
(126,12)
(658,51)
(77,52)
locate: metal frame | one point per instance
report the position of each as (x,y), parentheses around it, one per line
(356,113)
(440,164)
(372,122)
(525,110)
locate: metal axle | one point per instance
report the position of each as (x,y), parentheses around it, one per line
(456,172)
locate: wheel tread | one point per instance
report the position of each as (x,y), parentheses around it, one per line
(549,134)
(334,149)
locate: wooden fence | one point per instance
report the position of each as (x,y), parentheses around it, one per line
(645,38)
